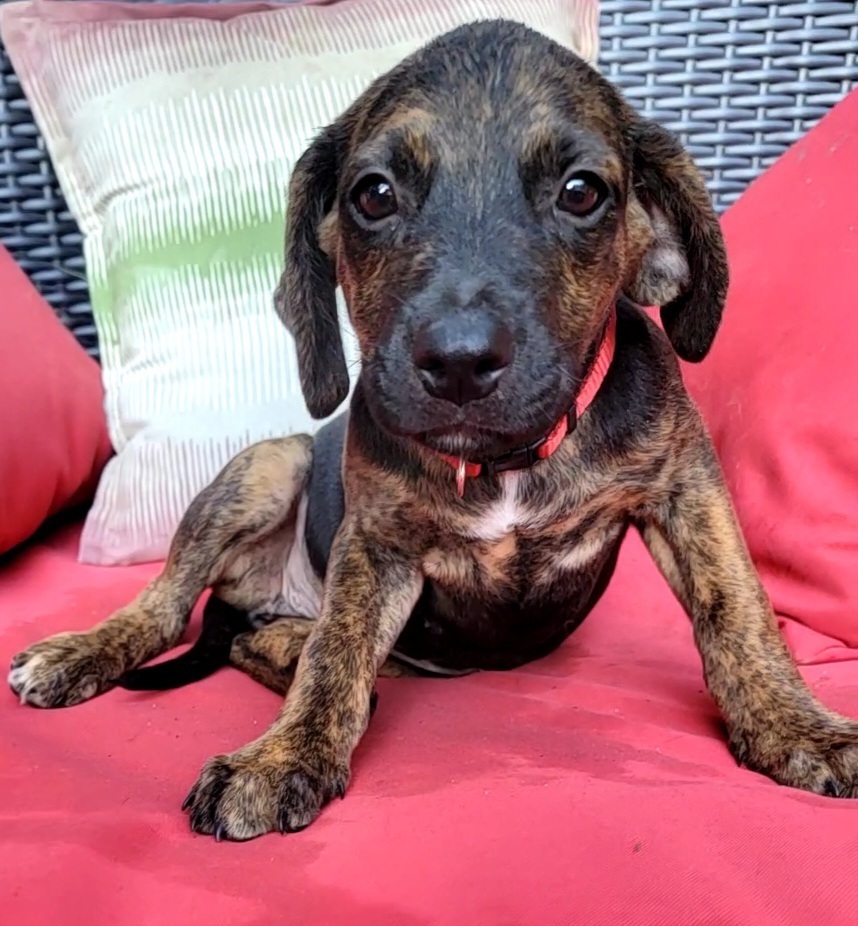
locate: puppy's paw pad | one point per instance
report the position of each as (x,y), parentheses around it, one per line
(239,798)
(59,672)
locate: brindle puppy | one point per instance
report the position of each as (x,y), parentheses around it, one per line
(489,207)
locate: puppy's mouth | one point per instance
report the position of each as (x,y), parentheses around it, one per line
(467,442)
(478,444)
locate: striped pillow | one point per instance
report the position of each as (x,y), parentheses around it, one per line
(173,130)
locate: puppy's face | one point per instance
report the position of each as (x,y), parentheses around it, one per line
(483,214)
(479,244)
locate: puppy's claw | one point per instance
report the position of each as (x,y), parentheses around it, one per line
(832,789)
(286,827)
(220,832)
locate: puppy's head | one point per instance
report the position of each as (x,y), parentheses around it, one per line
(482,205)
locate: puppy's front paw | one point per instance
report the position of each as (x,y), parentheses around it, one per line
(257,790)
(820,757)
(63,670)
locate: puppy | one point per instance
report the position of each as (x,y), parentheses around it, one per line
(495,213)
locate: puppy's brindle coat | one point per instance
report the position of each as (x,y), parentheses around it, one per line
(485,207)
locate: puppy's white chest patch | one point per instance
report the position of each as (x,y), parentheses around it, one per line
(588,549)
(503,516)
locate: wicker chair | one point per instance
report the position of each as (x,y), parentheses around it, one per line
(738,81)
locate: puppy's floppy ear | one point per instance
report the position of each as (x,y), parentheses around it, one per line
(685,268)
(305,298)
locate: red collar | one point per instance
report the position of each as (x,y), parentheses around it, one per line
(524,457)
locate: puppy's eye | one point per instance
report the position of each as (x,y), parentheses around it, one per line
(581,194)
(374,198)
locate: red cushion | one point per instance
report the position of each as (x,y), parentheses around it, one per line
(780,388)
(591,787)
(53,434)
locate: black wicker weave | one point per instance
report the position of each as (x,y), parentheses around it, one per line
(35,224)
(738,81)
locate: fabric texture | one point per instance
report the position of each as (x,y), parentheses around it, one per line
(780,388)
(173,131)
(592,787)
(53,434)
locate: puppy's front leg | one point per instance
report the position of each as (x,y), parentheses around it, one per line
(776,726)
(251,500)
(282,780)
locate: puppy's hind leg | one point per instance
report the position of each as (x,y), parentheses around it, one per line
(253,498)
(270,655)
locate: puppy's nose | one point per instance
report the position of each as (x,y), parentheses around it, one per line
(462,359)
